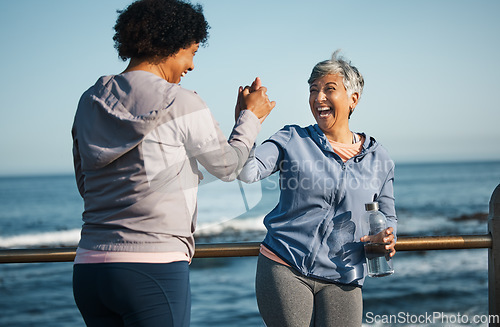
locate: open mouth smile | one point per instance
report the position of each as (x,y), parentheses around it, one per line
(324,112)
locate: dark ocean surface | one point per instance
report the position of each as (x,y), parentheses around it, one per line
(433,288)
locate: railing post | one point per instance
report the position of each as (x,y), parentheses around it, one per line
(494,258)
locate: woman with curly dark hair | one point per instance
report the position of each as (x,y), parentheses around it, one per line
(137,140)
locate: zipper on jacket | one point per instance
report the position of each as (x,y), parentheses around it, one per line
(328,218)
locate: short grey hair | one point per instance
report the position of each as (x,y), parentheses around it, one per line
(353,80)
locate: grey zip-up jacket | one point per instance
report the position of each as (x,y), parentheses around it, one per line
(137,142)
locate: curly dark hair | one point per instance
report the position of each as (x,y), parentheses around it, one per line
(155,29)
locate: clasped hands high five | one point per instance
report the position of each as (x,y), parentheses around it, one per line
(254,98)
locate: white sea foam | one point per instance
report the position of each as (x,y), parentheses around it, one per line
(71,237)
(55,238)
(252,224)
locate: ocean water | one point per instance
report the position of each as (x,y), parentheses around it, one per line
(433,288)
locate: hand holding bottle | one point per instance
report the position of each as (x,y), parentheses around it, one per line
(385,236)
(379,243)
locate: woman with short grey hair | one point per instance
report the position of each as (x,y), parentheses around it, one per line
(311,266)
(352,79)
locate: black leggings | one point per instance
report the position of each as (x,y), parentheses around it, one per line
(133,294)
(286,298)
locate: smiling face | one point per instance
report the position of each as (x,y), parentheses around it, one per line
(330,104)
(181,62)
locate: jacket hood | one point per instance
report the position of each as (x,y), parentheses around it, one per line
(113,117)
(319,137)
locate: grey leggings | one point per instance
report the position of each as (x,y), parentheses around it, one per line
(287,298)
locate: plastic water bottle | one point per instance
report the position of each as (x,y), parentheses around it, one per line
(377,257)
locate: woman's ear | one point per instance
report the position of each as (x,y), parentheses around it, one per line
(354,103)
(354,100)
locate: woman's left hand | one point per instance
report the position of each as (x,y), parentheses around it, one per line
(386,236)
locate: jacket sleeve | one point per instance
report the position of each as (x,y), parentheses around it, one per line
(386,201)
(266,158)
(223,158)
(262,162)
(77,162)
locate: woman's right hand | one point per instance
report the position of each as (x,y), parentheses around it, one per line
(254,98)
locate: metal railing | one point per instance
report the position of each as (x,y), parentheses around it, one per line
(491,241)
(247,249)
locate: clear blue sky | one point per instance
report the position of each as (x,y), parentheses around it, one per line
(431,70)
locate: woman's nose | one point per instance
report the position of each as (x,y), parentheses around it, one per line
(320,96)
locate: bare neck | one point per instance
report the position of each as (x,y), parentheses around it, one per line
(340,134)
(145,65)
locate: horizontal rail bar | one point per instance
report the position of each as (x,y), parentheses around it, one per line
(452,242)
(404,243)
(215,250)
(37,255)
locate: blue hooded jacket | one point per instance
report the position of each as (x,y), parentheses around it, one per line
(317,225)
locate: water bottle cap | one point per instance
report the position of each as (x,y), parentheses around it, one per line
(371,206)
